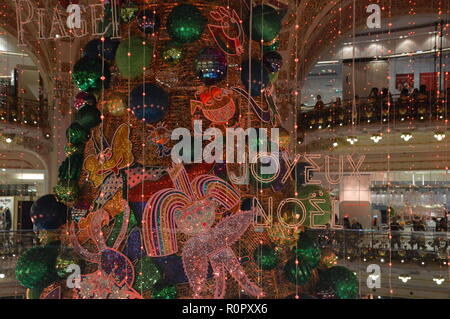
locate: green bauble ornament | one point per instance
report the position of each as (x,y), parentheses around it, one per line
(34,293)
(266,23)
(65,258)
(36,267)
(342,280)
(297,273)
(171,54)
(89,117)
(271,46)
(308,250)
(266,257)
(77,134)
(132,56)
(128,12)
(67,191)
(164,291)
(91,74)
(305,193)
(147,274)
(185,23)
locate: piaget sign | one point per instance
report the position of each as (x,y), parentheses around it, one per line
(75,21)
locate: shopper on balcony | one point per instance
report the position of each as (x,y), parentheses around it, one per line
(418,236)
(346,223)
(356,224)
(395,228)
(374,93)
(319,104)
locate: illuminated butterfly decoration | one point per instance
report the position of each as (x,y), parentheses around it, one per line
(191,207)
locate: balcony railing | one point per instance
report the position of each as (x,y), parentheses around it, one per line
(401,245)
(18,110)
(406,109)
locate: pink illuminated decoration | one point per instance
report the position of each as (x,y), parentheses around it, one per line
(159,231)
(217,105)
(191,208)
(228,32)
(115,274)
(214,245)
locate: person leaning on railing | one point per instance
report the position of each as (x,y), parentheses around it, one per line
(395,228)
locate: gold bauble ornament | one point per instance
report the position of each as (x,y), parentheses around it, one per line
(117,104)
(328,259)
(284,138)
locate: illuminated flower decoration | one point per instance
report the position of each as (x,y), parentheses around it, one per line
(191,207)
(115,275)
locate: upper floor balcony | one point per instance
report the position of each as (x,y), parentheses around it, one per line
(422,109)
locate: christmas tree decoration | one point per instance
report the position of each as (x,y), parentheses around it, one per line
(328,259)
(47,213)
(101,48)
(185,23)
(133,57)
(115,273)
(341,280)
(117,104)
(148,21)
(265,23)
(273,61)
(36,267)
(147,274)
(76,134)
(70,168)
(112,159)
(66,258)
(211,66)
(283,237)
(128,12)
(33,293)
(217,105)
(227,31)
(308,250)
(266,257)
(171,54)
(271,45)
(297,271)
(254,76)
(164,291)
(193,206)
(284,139)
(149,103)
(67,191)
(89,117)
(82,99)
(91,74)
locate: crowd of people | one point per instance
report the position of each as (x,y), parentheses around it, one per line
(420,94)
